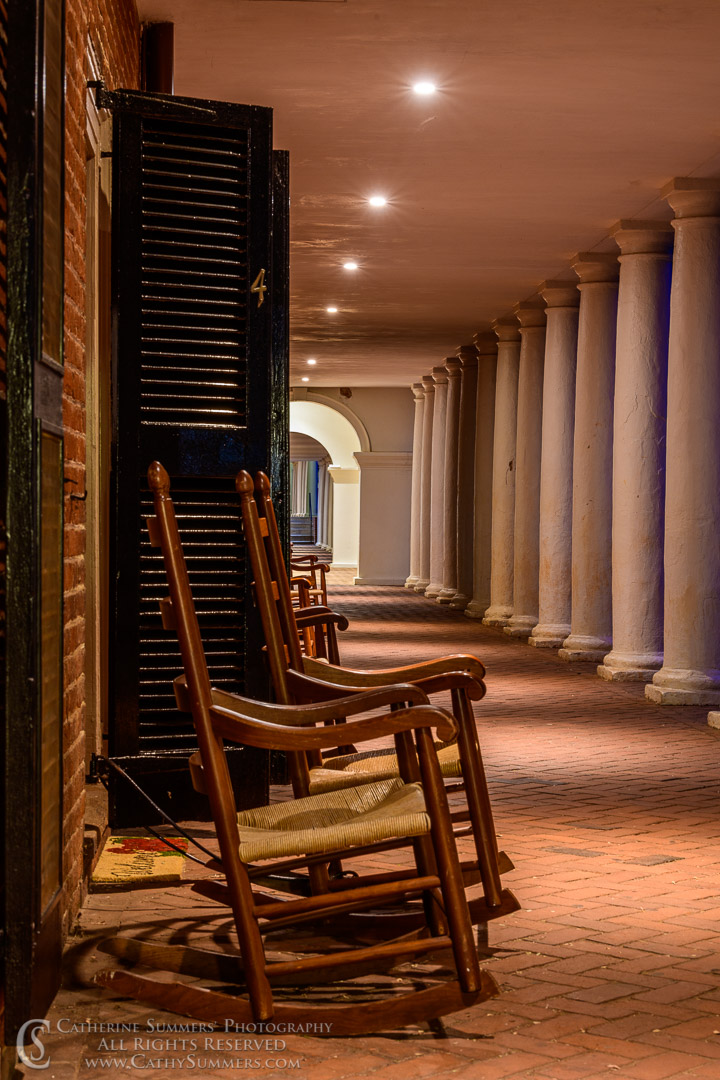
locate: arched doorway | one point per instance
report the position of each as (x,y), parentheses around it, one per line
(341,437)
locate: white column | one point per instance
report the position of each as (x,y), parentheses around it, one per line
(466,476)
(385,487)
(415,509)
(437,484)
(452,424)
(527,480)
(556,467)
(638,511)
(322,477)
(591,619)
(486,345)
(503,488)
(324,510)
(428,385)
(690,674)
(346,515)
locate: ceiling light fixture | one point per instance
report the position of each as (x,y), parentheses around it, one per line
(350,265)
(311,361)
(304,379)
(424,88)
(377,200)
(331,310)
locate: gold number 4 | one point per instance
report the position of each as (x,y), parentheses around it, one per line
(258,286)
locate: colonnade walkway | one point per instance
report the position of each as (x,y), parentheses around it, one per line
(608,806)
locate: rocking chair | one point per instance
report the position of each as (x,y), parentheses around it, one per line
(298,678)
(327,826)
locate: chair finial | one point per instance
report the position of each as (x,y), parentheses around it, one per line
(158,479)
(262,483)
(243,483)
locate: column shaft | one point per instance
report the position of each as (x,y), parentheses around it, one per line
(591,619)
(437,487)
(691,669)
(639,450)
(527,481)
(416,495)
(486,345)
(503,491)
(425,482)
(556,466)
(466,477)
(452,421)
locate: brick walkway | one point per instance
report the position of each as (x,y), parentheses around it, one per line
(608,806)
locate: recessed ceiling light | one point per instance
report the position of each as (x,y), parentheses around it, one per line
(350,265)
(424,88)
(304,379)
(377,200)
(331,310)
(312,361)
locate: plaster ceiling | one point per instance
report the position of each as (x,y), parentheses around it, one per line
(553,119)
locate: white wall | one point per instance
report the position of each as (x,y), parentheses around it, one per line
(371,522)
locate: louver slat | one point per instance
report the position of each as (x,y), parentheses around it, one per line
(209,522)
(194,227)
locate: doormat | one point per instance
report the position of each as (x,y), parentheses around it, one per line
(131,862)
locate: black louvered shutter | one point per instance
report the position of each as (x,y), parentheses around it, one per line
(194,382)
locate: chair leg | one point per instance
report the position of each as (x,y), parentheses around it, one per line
(478,798)
(451,882)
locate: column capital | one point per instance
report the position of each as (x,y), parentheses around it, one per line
(452,366)
(418,391)
(506,329)
(596,267)
(692,196)
(468,355)
(485,343)
(559,294)
(530,314)
(643,237)
(428,384)
(440,375)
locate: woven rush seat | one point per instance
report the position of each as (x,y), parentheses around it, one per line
(338,819)
(344,771)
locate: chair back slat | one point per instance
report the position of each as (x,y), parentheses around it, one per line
(268,589)
(276,564)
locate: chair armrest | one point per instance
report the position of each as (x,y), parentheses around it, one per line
(410,673)
(303,618)
(313,691)
(238,726)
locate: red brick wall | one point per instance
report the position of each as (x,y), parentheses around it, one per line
(114,30)
(3,368)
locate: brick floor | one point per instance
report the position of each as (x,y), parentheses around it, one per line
(609,807)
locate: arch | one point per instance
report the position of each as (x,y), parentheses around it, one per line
(318,411)
(343,435)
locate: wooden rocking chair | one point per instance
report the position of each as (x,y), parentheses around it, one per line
(298,678)
(334,825)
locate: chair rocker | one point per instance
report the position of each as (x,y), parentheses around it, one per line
(331,825)
(301,679)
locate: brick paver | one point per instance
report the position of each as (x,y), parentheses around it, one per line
(609,807)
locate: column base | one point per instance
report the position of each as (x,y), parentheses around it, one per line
(678,686)
(476,609)
(548,635)
(521,625)
(584,647)
(411,582)
(497,615)
(421,585)
(434,589)
(631,667)
(459,602)
(445,595)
